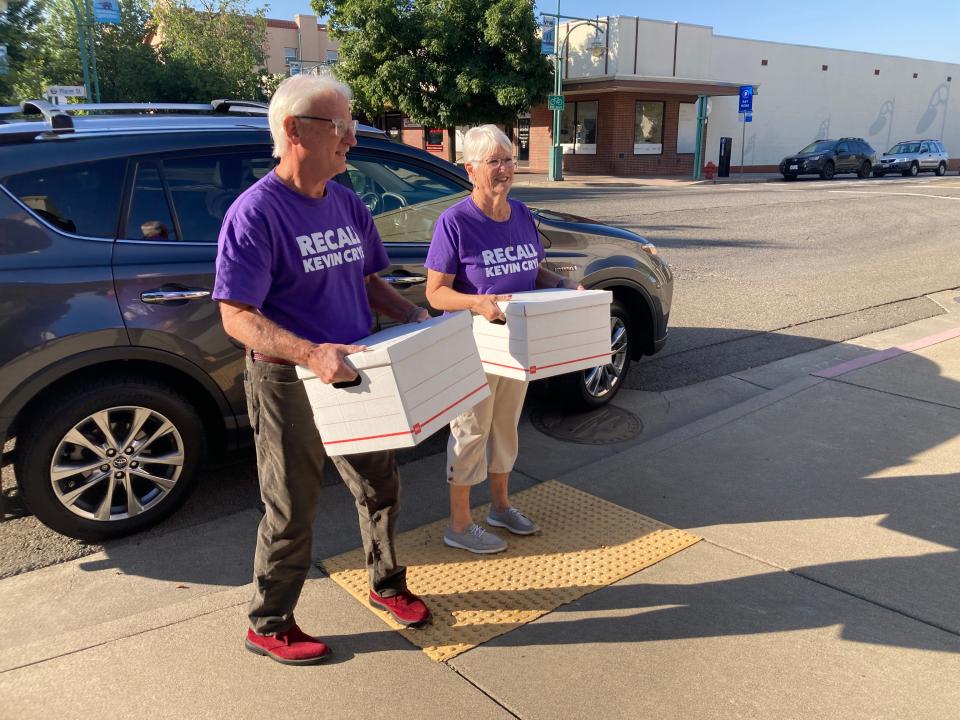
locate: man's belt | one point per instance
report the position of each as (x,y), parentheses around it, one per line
(260,357)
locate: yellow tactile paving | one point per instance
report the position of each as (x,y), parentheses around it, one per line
(585,544)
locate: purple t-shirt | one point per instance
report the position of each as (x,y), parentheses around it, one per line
(486,256)
(301,261)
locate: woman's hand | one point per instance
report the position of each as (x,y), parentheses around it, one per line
(486,305)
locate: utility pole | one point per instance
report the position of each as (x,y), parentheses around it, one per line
(82,38)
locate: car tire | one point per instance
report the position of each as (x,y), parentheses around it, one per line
(828,170)
(864,172)
(67,463)
(941,169)
(912,171)
(594,388)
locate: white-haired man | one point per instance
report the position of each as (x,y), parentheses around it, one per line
(286,297)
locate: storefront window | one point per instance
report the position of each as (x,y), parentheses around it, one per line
(578,128)
(687,128)
(648,128)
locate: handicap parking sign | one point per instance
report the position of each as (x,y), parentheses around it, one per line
(746,98)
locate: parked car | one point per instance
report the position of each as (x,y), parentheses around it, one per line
(912,157)
(116,375)
(827,158)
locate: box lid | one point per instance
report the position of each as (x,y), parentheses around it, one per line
(401,341)
(542,302)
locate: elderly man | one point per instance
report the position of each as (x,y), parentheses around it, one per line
(288,305)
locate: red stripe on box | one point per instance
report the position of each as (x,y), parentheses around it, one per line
(534,368)
(417,427)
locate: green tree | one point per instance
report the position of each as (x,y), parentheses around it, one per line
(441,62)
(213,48)
(19,31)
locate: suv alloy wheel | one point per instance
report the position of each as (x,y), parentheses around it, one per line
(594,388)
(109,459)
(828,170)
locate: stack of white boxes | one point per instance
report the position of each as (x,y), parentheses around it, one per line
(547,332)
(413,380)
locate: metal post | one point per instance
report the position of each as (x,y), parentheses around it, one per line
(82,39)
(698,151)
(93,49)
(743,140)
(556,152)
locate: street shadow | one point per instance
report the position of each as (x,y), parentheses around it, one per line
(940,98)
(884,121)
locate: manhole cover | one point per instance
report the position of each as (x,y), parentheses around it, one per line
(603,426)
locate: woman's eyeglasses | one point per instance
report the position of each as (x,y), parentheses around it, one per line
(340,127)
(498,162)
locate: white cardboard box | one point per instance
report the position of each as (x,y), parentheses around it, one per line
(548,332)
(414,379)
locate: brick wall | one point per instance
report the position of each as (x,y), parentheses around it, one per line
(615,124)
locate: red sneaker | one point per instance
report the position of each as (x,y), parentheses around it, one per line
(290,647)
(405,607)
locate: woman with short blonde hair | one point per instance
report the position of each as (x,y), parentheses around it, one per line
(468,269)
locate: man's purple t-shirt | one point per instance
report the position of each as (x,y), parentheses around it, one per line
(301,261)
(486,256)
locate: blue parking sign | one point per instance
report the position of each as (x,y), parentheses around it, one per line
(746,98)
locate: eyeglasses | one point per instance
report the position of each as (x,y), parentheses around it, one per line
(340,127)
(498,162)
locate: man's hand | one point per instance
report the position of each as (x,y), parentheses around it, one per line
(326,361)
(418,315)
(486,305)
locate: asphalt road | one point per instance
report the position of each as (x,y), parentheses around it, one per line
(762,271)
(768,270)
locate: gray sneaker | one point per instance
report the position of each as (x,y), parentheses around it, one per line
(475,539)
(513,520)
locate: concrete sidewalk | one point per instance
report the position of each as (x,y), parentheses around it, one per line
(825,487)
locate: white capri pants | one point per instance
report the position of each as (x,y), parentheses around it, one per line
(484,438)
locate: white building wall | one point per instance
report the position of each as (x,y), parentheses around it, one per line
(797,101)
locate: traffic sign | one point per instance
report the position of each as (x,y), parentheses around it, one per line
(54,92)
(294,68)
(555,102)
(748,118)
(746,98)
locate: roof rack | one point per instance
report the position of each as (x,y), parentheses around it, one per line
(55,117)
(223,106)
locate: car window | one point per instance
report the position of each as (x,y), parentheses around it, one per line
(149,217)
(83,199)
(405,198)
(818,147)
(202,188)
(924,147)
(842,148)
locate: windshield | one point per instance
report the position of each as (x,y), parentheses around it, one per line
(816,147)
(907,147)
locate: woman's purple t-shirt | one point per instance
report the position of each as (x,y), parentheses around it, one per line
(486,256)
(301,261)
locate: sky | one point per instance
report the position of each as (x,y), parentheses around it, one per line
(924,29)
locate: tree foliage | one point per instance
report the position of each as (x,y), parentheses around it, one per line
(19,31)
(443,63)
(215,48)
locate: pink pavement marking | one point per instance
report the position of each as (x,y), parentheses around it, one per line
(881,355)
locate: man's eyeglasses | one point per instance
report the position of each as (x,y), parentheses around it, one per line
(340,127)
(498,162)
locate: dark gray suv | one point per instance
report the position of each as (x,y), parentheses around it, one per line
(116,377)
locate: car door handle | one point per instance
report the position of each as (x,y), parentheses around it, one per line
(161,296)
(404,279)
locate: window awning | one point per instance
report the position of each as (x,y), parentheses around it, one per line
(651,84)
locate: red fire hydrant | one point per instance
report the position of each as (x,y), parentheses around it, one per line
(708,170)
